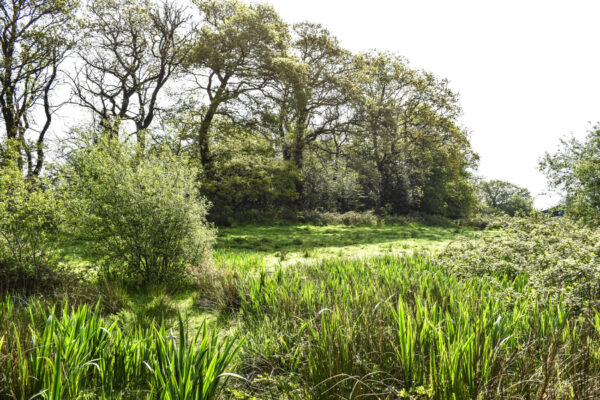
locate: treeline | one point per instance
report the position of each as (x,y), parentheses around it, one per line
(272,116)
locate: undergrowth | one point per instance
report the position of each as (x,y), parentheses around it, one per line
(391,327)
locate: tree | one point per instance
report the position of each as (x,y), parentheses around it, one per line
(309,100)
(132,48)
(447,181)
(247,175)
(405,124)
(330,183)
(233,56)
(506,197)
(34,41)
(574,169)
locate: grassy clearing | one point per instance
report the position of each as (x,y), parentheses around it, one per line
(254,246)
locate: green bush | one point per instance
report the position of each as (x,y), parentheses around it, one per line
(140,211)
(28,214)
(556,255)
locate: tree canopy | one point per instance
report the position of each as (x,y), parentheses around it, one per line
(270,115)
(574,170)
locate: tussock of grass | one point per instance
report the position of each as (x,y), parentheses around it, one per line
(75,353)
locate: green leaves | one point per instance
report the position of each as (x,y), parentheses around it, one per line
(406,136)
(574,170)
(555,256)
(76,353)
(191,369)
(141,210)
(29,213)
(506,197)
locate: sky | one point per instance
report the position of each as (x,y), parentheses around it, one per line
(528,71)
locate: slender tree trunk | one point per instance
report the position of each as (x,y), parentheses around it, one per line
(203,134)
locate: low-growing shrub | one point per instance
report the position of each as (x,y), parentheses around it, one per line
(140,210)
(557,256)
(29,214)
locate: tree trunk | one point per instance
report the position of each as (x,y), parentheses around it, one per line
(203,134)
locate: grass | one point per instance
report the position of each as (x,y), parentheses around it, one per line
(402,327)
(251,247)
(74,353)
(307,312)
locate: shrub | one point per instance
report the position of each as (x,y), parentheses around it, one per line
(28,214)
(350,218)
(141,211)
(556,255)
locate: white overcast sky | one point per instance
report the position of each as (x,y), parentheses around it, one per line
(528,72)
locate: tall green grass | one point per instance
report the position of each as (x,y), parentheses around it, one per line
(75,353)
(394,327)
(377,328)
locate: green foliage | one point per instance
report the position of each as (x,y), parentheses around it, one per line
(75,353)
(246,175)
(407,146)
(392,327)
(505,197)
(575,170)
(232,57)
(190,369)
(29,213)
(555,256)
(304,103)
(274,116)
(330,184)
(316,132)
(141,212)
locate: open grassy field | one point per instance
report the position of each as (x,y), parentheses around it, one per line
(255,246)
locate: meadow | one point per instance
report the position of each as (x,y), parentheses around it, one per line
(255,246)
(306,312)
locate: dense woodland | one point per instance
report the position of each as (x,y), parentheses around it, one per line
(273,116)
(199,200)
